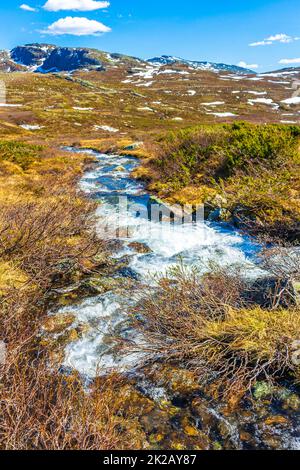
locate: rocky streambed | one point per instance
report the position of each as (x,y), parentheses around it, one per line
(173,410)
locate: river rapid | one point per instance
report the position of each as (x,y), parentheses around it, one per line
(125,214)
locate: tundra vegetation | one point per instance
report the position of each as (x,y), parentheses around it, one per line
(250,172)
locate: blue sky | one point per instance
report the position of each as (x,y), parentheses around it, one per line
(218,30)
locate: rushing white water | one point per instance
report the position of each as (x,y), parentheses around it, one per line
(192,243)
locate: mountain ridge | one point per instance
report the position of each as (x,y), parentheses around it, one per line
(202,65)
(45,58)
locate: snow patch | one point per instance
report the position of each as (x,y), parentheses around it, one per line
(30,127)
(294,100)
(266,101)
(224,114)
(145,108)
(5,105)
(257,93)
(148,84)
(77,108)
(171,72)
(214,103)
(106,128)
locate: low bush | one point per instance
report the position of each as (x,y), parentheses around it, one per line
(19,153)
(205,325)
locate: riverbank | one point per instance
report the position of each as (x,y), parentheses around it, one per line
(244,174)
(48,242)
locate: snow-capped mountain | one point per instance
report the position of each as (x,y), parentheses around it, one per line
(31,55)
(50,58)
(69,59)
(200,65)
(7,64)
(46,58)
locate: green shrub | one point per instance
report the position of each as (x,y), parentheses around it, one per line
(19,153)
(271,146)
(219,151)
(256,167)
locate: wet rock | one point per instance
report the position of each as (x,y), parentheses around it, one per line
(69,299)
(101,260)
(262,408)
(133,146)
(55,344)
(245,436)
(89,288)
(224,430)
(128,273)
(219,201)
(72,336)
(106,284)
(64,272)
(218,215)
(58,323)
(156,420)
(201,409)
(113,265)
(195,440)
(179,383)
(92,287)
(272,442)
(140,247)
(278,420)
(177,446)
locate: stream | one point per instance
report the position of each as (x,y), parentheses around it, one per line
(129,215)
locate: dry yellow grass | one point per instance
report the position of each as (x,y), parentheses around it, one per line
(11,277)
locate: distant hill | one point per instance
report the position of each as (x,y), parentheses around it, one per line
(47,58)
(203,65)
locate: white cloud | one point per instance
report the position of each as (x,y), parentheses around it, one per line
(289,61)
(280,37)
(76,27)
(284,38)
(247,66)
(27,7)
(260,43)
(75,5)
